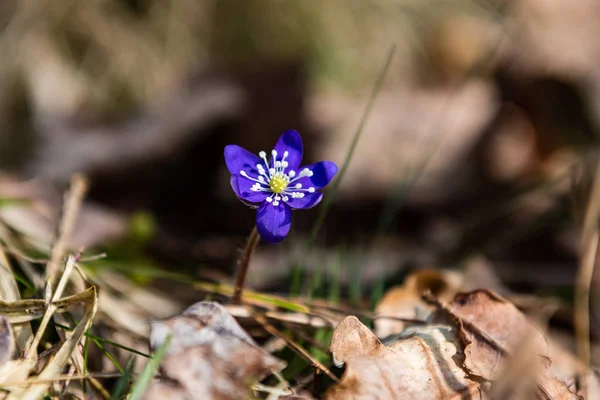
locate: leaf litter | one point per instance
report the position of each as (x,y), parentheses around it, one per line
(448,344)
(478,346)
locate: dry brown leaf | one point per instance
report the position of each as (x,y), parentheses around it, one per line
(210,354)
(405,301)
(499,339)
(420,366)
(484,312)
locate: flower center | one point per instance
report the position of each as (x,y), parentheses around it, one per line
(279,183)
(273,179)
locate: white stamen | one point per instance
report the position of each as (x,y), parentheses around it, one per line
(276,170)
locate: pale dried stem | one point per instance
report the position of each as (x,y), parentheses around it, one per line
(9,291)
(589,246)
(72,205)
(32,353)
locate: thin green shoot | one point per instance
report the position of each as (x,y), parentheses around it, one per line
(145,378)
(324,209)
(108,355)
(124,380)
(108,342)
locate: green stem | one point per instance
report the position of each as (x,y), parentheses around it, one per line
(243,264)
(327,202)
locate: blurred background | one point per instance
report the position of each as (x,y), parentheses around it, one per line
(474,156)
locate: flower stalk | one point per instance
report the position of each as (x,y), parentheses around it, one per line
(243,264)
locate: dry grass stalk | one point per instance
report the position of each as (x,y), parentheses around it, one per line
(72,205)
(295,347)
(589,246)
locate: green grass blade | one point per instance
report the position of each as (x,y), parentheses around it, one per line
(108,355)
(124,380)
(149,371)
(342,172)
(109,342)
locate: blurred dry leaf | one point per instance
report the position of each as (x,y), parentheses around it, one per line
(210,354)
(593,385)
(421,366)
(34,215)
(405,301)
(499,338)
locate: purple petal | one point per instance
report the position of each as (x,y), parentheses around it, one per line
(241,186)
(323,173)
(308,201)
(273,222)
(291,142)
(239,159)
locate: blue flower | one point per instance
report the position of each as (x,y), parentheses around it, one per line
(276,184)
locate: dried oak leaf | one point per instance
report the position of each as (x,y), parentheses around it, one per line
(210,356)
(500,339)
(405,301)
(423,365)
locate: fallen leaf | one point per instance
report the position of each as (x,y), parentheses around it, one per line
(210,354)
(422,365)
(499,339)
(405,301)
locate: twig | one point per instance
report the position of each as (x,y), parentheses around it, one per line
(65,377)
(295,347)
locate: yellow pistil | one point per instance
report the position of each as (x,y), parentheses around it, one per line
(279,183)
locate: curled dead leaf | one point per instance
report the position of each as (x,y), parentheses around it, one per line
(500,340)
(210,354)
(421,365)
(405,302)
